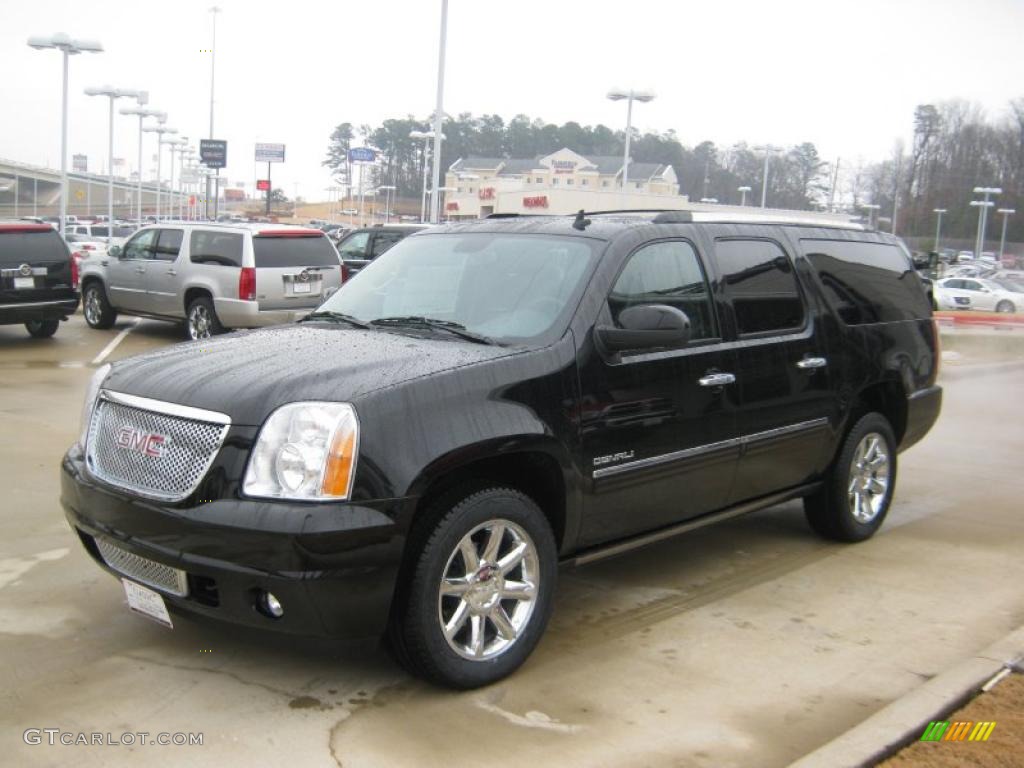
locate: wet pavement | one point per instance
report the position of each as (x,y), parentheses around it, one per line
(750,643)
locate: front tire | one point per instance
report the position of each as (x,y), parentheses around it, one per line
(42,329)
(201,320)
(1005,306)
(98,312)
(477,592)
(858,490)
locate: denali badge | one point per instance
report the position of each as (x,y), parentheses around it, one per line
(147,443)
(600,461)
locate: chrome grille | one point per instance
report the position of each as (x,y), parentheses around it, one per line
(116,448)
(143,570)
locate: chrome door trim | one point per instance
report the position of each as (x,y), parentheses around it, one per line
(699,450)
(169,409)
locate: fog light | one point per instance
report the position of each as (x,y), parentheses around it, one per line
(270,605)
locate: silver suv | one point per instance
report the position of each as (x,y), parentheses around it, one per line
(212,276)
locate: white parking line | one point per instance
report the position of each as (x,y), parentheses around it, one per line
(114,342)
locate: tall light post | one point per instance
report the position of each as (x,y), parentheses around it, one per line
(174,145)
(387,189)
(984,205)
(938,226)
(113,94)
(214,10)
(160,130)
(437,200)
(142,112)
(768,149)
(1007,213)
(68,47)
(743,194)
(426,136)
(617,94)
(871,208)
(439,111)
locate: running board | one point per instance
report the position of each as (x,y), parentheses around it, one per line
(619,547)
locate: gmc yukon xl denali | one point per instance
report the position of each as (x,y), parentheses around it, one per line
(488,400)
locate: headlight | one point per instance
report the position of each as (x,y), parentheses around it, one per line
(305,451)
(90,401)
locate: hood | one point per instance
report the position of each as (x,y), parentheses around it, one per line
(248,374)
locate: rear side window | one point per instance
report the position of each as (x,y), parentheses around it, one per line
(868,282)
(758,278)
(168,245)
(383,241)
(217,248)
(666,273)
(17,248)
(294,252)
(354,246)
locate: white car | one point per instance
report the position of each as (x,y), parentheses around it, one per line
(978,293)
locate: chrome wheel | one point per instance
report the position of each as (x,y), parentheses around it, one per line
(488,590)
(93,309)
(869,478)
(199,322)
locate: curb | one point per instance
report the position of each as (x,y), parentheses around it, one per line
(905,719)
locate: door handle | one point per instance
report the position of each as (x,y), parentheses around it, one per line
(810,363)
(716,380)
(172,272)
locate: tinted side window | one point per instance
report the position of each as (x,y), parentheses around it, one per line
(354,246)
(759,280)
(168,245)
(218,248)
(383,241)
(141,246)
(868,282)
(100,231)
(667,273)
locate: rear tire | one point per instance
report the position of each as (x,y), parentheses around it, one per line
(42,329)
(853,502)
(98,312)
(467,612)
(201,321)
(1005,306)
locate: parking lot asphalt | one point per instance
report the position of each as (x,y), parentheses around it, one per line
(750,643)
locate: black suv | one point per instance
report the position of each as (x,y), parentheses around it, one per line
(490,399)
(37,277)
(361,246)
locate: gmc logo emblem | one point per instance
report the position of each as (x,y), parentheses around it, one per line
(147,443)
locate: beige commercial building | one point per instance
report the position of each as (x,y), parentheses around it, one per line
(559,183)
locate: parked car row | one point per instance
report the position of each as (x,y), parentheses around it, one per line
(992,295)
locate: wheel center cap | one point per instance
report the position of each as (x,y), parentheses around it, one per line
(486,588)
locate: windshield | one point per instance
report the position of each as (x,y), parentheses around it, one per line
(508,287)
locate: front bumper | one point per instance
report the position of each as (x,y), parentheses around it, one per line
(332,566)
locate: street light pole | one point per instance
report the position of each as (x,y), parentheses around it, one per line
(871,208)
(1007,213)
(112,94)
(938,226)
(160,130)
(388,189)
(767,149)
(617,94)
(983,215)
(743,195)
(438,112)
(142,112)
(68,48)
(214,10)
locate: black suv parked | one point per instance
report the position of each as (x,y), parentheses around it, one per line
(493,398)
(361,246)
(37,277)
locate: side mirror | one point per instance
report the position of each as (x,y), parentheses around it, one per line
(647,326)
(116,251)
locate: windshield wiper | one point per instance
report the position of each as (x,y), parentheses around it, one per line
(413,321)
(337,316)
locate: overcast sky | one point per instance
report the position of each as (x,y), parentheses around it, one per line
(844,75)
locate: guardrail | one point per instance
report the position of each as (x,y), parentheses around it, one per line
(1003,321)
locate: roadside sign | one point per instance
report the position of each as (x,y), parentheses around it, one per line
(361,155)
(213,153)
(270,153)
(79,163)
(262,185)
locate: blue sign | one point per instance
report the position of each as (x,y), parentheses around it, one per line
(361,155)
